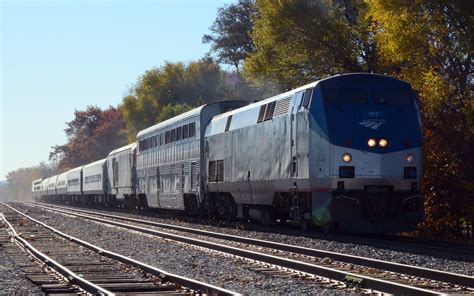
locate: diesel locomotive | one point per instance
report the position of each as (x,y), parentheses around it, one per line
(343,153)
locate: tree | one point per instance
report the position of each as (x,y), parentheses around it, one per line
(92,134)
(298,41)
(230,33)
(170,110)
(19,182)
(430,44)
(176,87)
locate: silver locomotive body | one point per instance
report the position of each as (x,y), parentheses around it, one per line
(282,158)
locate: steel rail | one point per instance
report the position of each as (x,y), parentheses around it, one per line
(70,276)
(338,275)
(465,248)
(433,274)
(198,286)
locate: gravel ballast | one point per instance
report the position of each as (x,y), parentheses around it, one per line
(182,259)
(389,252)
(12,278)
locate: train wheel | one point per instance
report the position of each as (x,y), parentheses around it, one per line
(267,216)
(304,224)
(328,228)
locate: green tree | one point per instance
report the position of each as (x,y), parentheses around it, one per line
(170,110)
(230,33)
(176,87)
(430,44)
(298,41)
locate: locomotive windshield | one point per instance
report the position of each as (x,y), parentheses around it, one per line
(359,96)
(345,96)
(392,97)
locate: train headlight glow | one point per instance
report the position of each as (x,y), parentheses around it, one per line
(383,143)
(372,142)
(346,157)
(410,158)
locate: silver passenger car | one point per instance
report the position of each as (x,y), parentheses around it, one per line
(52,186)
(44,188)
(61,185)
(121,170)
(36,189)
(169,162)
(94,179)
(74,183)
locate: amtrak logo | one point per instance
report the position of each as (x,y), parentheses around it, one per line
(372,123)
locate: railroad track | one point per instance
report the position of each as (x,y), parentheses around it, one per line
(461,249)
(444,249)
(33,268)
(80,266)
(365,272)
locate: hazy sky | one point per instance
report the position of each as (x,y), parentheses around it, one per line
(58,56)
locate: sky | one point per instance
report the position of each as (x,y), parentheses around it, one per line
(60,56)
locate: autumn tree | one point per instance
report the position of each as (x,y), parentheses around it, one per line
(230,33)
(298,41)
(92,134)
(19,182)
(430,44)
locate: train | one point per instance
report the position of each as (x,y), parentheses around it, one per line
(343,153)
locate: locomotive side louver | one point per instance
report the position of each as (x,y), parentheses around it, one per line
(282,107)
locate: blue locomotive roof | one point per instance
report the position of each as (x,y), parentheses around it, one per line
(361,79)
(361,106)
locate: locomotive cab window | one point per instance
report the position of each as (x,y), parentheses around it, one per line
(307,98)
(345,96)
(392,97)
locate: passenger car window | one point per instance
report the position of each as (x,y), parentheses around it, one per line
(192,129)
(179,133)
(185,131)
(173,135)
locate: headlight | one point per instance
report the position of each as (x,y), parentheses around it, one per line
(410,158)
(346,157)
(372,142)
(383,143)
